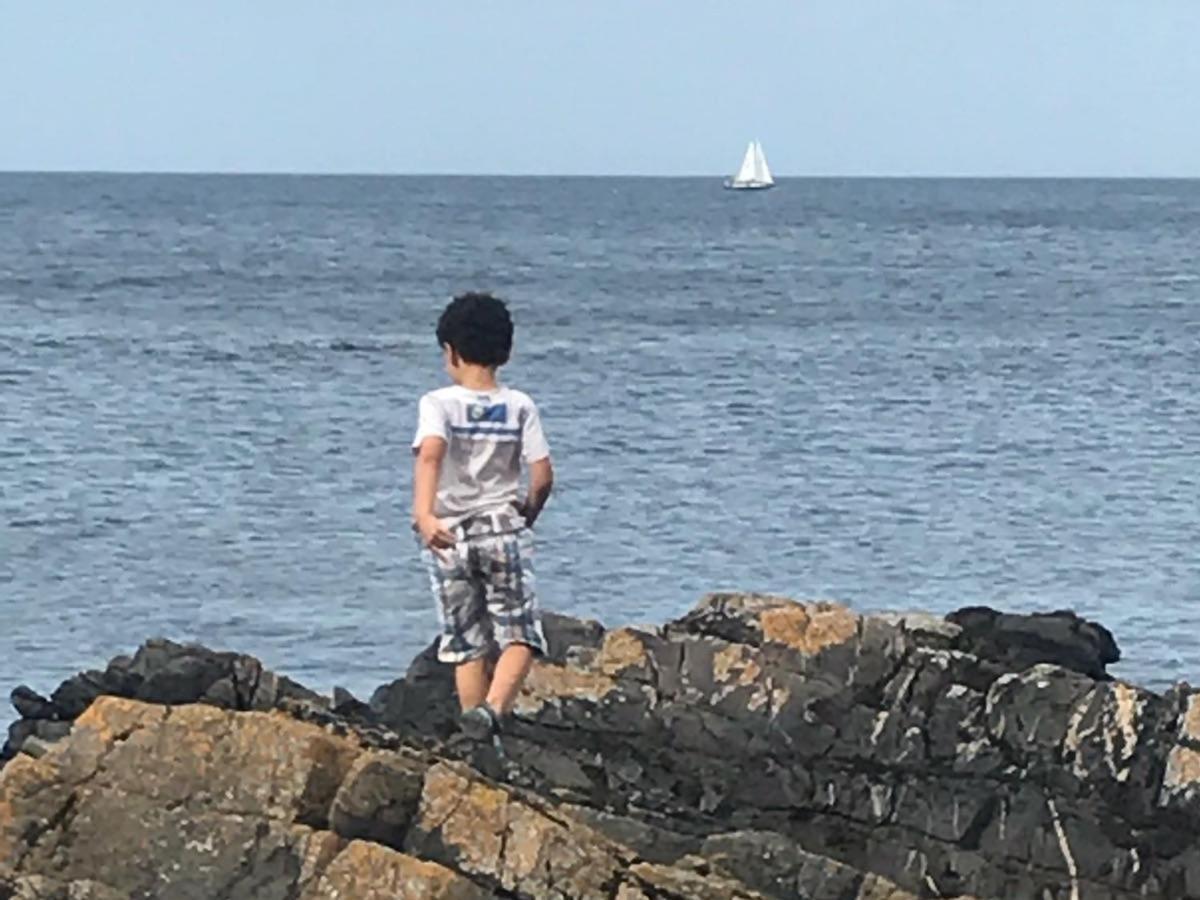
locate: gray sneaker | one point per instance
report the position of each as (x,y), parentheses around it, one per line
(480,723)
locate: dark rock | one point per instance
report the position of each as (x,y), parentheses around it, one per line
(52,731)
(163,671)
(346,704)
(31,705)
(565,634)
(881,745)
(1017,641)
(76,694)
(378,799)
(653,843)
(424,702)
(770,863)
(17,732)
(22,731)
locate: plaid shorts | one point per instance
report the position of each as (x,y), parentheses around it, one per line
(484,588)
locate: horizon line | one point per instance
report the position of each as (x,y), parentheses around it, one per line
(299,173)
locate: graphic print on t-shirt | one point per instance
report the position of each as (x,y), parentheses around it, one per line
(484,412)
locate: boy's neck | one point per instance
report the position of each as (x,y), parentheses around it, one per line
(477,378)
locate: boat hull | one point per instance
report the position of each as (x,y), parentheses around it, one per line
(749,186)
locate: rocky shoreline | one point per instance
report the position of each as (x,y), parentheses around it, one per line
(754,748)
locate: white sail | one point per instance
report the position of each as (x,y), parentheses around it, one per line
(747,172)
(753,172)
(762,174)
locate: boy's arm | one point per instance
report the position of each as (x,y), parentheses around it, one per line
(541,483)
(427,468)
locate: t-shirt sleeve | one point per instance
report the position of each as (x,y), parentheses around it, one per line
(431,421)
(533,439)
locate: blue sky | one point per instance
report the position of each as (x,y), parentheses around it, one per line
(831,87)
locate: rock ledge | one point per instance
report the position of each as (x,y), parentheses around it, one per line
(754,748)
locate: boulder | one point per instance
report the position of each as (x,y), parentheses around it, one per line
(1016,641)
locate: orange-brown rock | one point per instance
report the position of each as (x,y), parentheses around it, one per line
(186,801)
(488,832)
(366,871)
(809,628)
(518,843)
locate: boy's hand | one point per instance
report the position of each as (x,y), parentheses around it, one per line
(434,534)
(541,482)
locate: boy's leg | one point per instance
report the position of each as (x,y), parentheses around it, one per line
(472,682)
(512,667)
(516,622)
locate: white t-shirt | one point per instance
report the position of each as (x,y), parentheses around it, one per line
(487,435)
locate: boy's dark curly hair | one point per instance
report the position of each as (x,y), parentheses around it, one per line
(478,328)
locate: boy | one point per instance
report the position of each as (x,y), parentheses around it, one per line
(471,440)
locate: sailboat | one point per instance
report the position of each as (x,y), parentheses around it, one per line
(754,174)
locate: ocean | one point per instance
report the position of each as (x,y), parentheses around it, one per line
(899,394)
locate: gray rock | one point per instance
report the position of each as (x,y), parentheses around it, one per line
(792,750)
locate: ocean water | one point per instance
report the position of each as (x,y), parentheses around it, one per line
(899,394)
